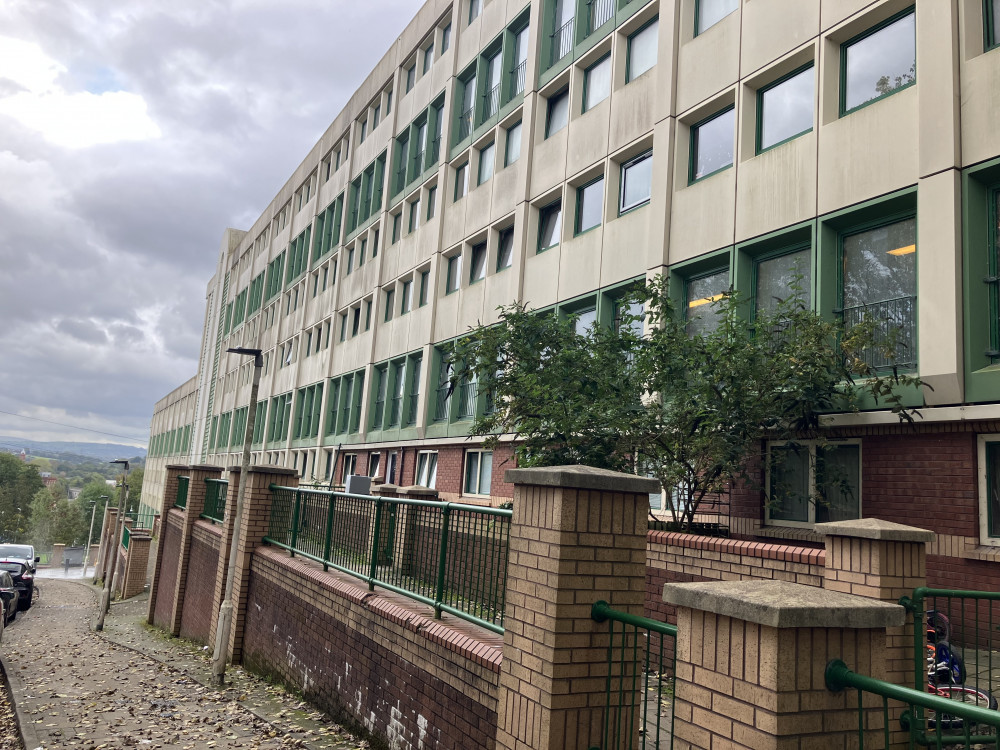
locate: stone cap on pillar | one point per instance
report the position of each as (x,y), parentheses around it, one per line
(875,528)
(386,487)
(416,490)
(234,469)
(781,604)
(580,477)
(279,470)
(177,467)
(205,467)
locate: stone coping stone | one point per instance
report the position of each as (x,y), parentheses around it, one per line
(388,487)
(205,467)
(416,490)
(781,604)
(279,470)
(176,467)
(875,528)
(582,478)
(234,469)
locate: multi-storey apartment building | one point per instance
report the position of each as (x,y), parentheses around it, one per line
(556,151)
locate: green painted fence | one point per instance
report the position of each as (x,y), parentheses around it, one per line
(215,500)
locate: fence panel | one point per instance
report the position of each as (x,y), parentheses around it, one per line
(215,500)
(182,492)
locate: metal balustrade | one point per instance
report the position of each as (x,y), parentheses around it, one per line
(215,500)
(562,41)
(895,332)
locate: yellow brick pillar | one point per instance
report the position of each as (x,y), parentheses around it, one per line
(56,560)
(751,661)
(136,564)
(174,471)
(578,535)
(885,561)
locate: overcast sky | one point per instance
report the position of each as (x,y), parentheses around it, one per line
(132,133)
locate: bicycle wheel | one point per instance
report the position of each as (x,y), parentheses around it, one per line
(938,626)
(964,694)
(950,667)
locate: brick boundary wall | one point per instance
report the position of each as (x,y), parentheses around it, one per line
(199,594)
(163,607)
(407,678)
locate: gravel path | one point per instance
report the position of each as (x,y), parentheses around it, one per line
(76,689)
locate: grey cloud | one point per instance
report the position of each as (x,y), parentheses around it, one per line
(82,330)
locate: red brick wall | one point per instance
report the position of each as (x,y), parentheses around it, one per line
(199,594)
(395,673)
(167,581)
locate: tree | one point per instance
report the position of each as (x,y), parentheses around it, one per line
(687,409)
(135,489)
(18,484)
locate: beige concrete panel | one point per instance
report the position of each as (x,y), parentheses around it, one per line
(939,105)
(548,162)
(709,62)
(365,153)
(446,320)
(588,138)
(632,108)
(501,289)
(777,188)
(702,217)
(508,188)
(418,325)
(939,286)
(664,177)
(440,72)
(669,44)
(470,303)
(284,378)
(580,262)
(466,39)
(626,241)
(774,27)
(406,105)
(310,370)
(833,12)
(870,152)
(453,221)
(980,108)
(539,273)
(493,19)
(477,212)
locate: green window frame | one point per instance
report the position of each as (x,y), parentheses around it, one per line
(700,294)
(589,206)
(431,201)
(505,248)
(477,263)
(989,490)
(647,34)
(809,482)
(397,223)
(556,112)
(992,280)
(635,168)
(406,297)
(445,38)
(801,257)
(461,180)
(721,122)
(549,225)
(707,13)
(487,162)
(903,81)
(796,79)
(390,301)
(453,279)
(512,150)
(991,24)
(597,83)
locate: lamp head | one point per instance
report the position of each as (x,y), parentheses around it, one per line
(258,359)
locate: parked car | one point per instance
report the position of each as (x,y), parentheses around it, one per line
(19,560)
(10,597)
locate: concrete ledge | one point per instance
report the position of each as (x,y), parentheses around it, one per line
(205,467)
(582,478)
(875,528)
(279,470)
(779,604)
(415,490)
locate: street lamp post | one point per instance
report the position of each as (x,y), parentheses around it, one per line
(225,620)
(90,536)
(113,549)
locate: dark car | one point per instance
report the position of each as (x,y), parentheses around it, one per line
(19,560)
(10,597)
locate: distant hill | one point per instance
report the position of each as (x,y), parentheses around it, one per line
(71,452)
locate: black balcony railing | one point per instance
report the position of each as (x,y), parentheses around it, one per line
(395,408)
(562,41)
(418,163)
(465,124)
(491,103)
(400,178)
(601,11)
(435,151)
(517,76)
(467,392)
(443,400)
(895,331)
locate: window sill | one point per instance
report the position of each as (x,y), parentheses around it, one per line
(984,552)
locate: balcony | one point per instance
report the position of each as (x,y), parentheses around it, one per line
(895,332)
(467,392)
(601,11)
(517,76)
(465,124)
(491,103)
(562,42)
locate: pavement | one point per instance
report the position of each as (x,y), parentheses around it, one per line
(132,686)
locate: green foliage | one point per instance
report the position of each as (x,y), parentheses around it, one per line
(18,484)
(686,409)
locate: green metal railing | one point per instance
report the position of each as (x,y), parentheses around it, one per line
(950,722)
(640,682)
(126,536)
(449,556)
(215,500)
(182,492)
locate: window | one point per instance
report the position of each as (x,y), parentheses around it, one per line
(424,284)
(589,205)
(782,277)
(491,103)
(475,8)
(701,292)
(642,50)
(812,483)
(364,130)
(368,314)
(562,36)
(350,261)
(445,38)
(390,296)
(478,472)
(878,62)
(549,225)
(992,246)
(585,319)
(374,459)
(558,113)
(712,144)
(989,490)
(486,160)
(350,462)
(710,12)
(454,278)
(397,221)
(467,104)
(411,77)
(428,57)
(879,279)
(343,326)
(356,321)
(520,62)
(513,150)
(785,108)
(427,468)
(361,251)
(431,201)
(414,221)
(636,187)
(505,248)
(462,181)
(597,82)
(406,297)
(477,271)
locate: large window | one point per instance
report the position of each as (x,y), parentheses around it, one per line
(879,279)
(562,29)
(427,462)
(991,23)
(477,269)
(549,225)
(487,159)
(712,144)
(513,151)
(475,8)
(989,490)
(642,50)
(597,82)
(454,279)
(491,99)
(558,113)
(478,472)
(785,108)
(710,12)
(462,181)
(811,483)
(636,182)
(505,248)
(993,279)
(701,292)
(350,462)
(782,277)
(589,205)
(878,62)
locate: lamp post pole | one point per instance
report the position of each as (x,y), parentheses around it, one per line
(225,621)
(90,536)
(113,549)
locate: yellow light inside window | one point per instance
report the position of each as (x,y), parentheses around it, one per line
(904,250)
(705,300)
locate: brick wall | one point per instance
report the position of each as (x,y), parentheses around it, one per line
(196,618)
(167,580)
(400,675)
